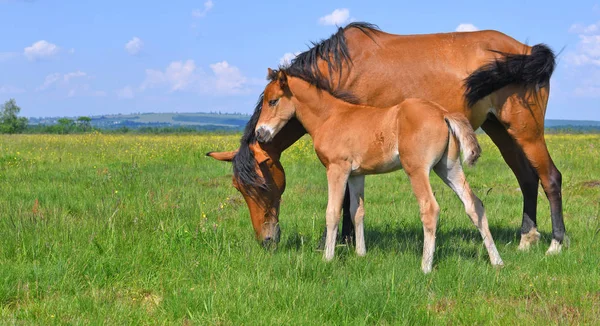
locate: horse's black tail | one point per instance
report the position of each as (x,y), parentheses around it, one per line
(530,70)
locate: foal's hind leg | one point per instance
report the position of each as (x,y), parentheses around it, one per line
(430,210)
(451,172)
(356,184)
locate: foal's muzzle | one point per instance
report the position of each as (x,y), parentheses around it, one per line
(263,134)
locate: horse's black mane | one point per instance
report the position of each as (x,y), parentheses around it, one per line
(334,51)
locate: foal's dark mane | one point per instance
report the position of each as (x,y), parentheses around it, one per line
(334,51)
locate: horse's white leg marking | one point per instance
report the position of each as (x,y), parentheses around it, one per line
(430,211)
(555,247)
(451,172)
(336,179)
(356,186)
(527,239)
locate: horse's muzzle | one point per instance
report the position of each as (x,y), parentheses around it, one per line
(270,242)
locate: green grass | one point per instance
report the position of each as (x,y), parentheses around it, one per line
(105,229)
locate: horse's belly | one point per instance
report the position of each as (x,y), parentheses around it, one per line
(373,165)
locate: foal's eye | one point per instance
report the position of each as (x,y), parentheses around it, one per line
(273,102)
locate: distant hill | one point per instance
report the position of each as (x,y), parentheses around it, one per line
(571,123)
(210,121)
(216,121)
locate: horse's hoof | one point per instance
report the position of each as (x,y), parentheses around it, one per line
(498,264)
(527,239)
(327,258)
(555,248)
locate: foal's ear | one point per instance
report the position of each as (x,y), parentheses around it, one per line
(272,74)
(282,78)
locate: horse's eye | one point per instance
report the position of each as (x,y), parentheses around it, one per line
(273,102)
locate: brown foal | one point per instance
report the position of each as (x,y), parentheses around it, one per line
(354,140)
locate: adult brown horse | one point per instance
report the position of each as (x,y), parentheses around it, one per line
(263,200)
(500,84)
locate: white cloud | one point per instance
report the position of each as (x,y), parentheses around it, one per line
(185,76)
(179,76)
(73,83)
(41,50)
(199,13)
(49,81)
(229,79)
(68,76)
(7,89)
(134,46)
(126,92)
(582,29)
(287,58)
(587,51)
(584,61)
(337,17)
(466,28)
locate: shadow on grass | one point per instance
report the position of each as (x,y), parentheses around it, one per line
(453,242)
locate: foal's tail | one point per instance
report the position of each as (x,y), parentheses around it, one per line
(463,132)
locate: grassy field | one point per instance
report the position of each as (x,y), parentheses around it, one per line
(105,229)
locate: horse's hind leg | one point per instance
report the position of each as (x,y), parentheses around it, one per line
(356,185)
(430,210)
(451,172)
(337,176)
(524,115)
(526,176)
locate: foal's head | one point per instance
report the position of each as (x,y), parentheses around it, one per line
(278,107)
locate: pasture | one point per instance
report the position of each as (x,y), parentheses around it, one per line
(147,230)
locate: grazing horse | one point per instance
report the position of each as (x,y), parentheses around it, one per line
(264,199)
(356,140)
(498,83)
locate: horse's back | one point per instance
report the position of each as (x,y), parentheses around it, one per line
(388,68)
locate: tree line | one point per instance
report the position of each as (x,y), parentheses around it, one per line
(11,123)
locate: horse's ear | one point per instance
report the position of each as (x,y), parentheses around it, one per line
(282,77)
(222,156)
(269,73)
(259,154)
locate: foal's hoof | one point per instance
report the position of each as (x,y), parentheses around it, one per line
(527,239)
(327,258)
(498,264)
(555,248)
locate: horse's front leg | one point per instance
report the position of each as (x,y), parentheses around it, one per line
(347,225)
(337,176)
(356,186)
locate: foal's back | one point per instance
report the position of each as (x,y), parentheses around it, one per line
(383,140)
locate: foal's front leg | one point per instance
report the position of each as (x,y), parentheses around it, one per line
(337,176)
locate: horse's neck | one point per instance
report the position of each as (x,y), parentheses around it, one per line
(313,106)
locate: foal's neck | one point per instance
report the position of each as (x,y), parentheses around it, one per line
(314,106)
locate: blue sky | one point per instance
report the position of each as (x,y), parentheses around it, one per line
(98,57)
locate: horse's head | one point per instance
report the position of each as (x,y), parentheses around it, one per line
(277,106)
(263,203)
